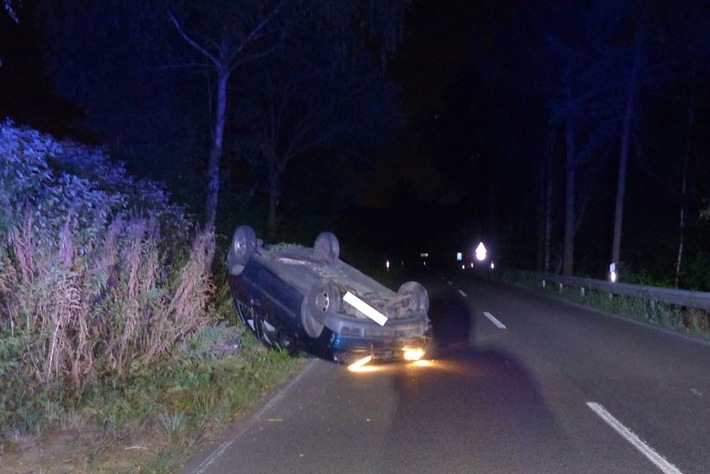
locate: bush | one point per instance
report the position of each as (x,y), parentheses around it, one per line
(100,274)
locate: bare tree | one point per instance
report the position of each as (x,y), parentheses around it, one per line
(10,9)
(227,36)
(322,92)
(630,109)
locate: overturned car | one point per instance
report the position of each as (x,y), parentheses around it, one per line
(299,298)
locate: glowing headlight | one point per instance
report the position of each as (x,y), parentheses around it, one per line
(413,353)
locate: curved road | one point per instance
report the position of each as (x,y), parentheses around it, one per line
(516,383)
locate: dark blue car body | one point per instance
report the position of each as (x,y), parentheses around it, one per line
(292,297)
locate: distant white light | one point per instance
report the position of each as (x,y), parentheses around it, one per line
(459,256)
(493,265)
(387,264)
(481,252)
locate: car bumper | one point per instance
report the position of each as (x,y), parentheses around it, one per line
(353,339)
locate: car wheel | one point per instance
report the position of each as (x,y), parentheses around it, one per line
(323,297)
(267,333)
(417,293)
(246,316)
(327,247)
(242,248)
(287,344)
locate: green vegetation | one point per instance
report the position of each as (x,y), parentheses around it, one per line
(116,339)
(685,319)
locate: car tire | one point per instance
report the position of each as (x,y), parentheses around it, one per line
(323,297)
(418,295)
(247,317)
(327,247)
(243,246)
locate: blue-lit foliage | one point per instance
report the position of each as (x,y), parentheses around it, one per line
(53,179)
(99,272)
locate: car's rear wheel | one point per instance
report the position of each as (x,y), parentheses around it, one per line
(418,297)
(323,297)
(246,316)
(243,246)
(327,247)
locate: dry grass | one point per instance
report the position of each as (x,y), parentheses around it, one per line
(80,314)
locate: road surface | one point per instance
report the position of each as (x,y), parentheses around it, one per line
(516,383)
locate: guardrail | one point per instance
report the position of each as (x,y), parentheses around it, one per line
(681,298)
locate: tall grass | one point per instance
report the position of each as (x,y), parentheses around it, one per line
(93,283)
(111,327)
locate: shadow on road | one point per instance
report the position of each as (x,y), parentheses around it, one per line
(469,410)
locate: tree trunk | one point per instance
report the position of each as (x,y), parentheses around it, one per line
(540,220)
(272,222)
(548,202)
(568,252)
(684,195)
(216,148)
(545,207)
(629,110)
(570,168)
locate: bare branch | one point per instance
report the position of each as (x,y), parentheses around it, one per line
(181,31)
(255,34)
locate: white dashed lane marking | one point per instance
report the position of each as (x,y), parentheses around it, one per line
(494,320)
(629,436)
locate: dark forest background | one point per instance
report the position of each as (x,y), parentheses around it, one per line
(566,135)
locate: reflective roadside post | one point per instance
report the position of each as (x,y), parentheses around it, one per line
(612,272)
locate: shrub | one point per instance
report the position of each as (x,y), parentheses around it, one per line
(100,273)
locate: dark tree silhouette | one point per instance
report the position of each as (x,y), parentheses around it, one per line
(127,55)
(112,59)
(227,36)
(322,96)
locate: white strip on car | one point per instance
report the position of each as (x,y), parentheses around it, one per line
(365,308)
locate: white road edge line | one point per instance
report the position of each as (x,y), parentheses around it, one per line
(256,417)
(629,436)
(494,320)
(461,292)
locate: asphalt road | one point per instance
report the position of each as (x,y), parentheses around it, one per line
(516,383)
